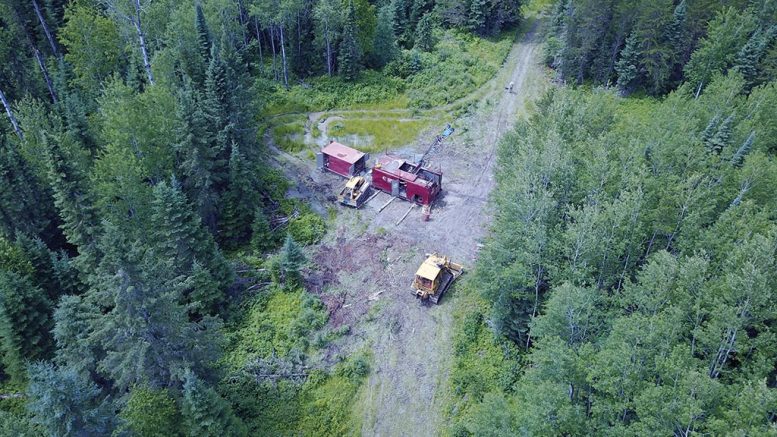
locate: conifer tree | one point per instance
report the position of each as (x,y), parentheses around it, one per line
(424,38)
(177,235)
(206,414)
(146,335)
(678,34)
(74,203)
(749,57)
(66,403)
(292,259)
(238,201)
(196,157)
(25,323)
(478,15)
(385,46)
(717,142)
(261,233)
(710,130)
(204,39)
(25,204)
(627,66)
(349,59)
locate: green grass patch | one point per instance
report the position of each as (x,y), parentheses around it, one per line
(377,134)
(290,136)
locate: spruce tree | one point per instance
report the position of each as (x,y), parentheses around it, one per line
(722,136)
(349,59)
(147,336)
(678,34)
(66,403)
(749,57)
(238,202)
(25,204)
(292,259)
(261,234)
(627,66)
(385,46)
(196,156)
(177,235)
(74,202)
(206,414)
(710,130)
(478,15)
(424,37)
(25,323)
(204,39)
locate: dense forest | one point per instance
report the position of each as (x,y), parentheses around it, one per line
(139,214)
(628,288)
(152,262)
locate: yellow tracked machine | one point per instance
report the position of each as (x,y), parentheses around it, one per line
(435,276)
(355,192)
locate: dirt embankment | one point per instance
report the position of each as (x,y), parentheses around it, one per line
(366,264)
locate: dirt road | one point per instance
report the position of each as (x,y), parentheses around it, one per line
(365,265)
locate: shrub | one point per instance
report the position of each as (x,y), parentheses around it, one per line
(307,228)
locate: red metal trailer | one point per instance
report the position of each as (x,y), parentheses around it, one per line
(406,180)
(342,160)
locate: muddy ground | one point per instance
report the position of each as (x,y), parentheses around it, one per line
(364,266)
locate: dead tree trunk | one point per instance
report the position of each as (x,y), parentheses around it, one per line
(45,28)
(142,40)
(272,45)
(8,111)
(259,44)
(328,49)
(283,57)
(45,73)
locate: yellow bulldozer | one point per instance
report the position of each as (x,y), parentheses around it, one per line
(435,276)
(355,192)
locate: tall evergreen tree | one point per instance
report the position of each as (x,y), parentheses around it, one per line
(292,259)
(743,150)
(25,323)
(195,155)
(238,202)
(385,46)
(206,414)
(147,335)
(424,37)
(74,202)
(204,39)
(349,59)
(627,66)
(177,235)
(66,403)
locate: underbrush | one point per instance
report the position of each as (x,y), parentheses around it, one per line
(482,362)
(271,384)
(459,65)
(324,93)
